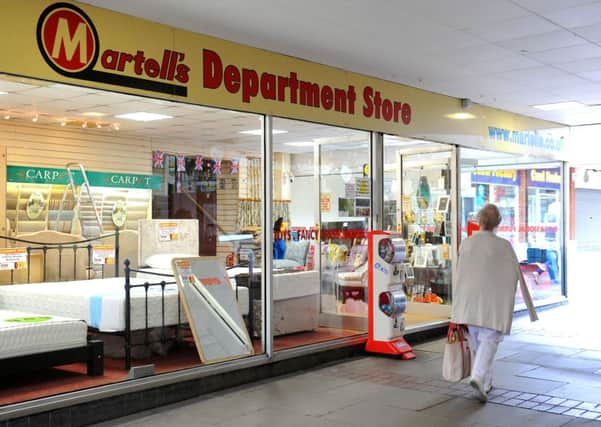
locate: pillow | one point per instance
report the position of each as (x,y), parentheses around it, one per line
(163,261)
(297,251)
(285,263)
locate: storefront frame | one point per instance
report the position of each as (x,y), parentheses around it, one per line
(376,129)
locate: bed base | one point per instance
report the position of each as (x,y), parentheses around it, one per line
(92,354)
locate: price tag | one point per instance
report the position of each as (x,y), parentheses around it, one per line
(13,259)
(168,231)
(102,255)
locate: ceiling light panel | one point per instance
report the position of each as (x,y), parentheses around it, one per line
(141,116)
(558,106)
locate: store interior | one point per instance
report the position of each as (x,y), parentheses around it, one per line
(205,164)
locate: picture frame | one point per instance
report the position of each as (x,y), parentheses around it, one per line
(443,204)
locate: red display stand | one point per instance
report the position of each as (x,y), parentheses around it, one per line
(386,299)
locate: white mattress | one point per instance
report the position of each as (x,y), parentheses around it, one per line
(100,302)
(288,285)
(241,295)
(24,337)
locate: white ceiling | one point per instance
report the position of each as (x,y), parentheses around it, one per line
(39,103)
(509,54)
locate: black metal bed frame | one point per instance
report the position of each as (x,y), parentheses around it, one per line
(127,334)
(76,246)
(93,352)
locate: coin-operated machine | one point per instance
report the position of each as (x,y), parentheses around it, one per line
(386,298)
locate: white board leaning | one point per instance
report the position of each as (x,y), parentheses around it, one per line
(210,305)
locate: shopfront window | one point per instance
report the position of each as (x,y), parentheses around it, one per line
(322,210)
(529,198)
(176,181)
(418,188)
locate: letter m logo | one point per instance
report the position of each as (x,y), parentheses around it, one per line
(67,38)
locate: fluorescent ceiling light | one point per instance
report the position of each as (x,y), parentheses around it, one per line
(300,143)
(93,114)
(570,105)
(3,93)
(143,117)
(460,116)
(260,132)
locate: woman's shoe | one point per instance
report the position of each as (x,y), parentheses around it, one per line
(481,395)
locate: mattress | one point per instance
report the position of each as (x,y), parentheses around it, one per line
(241,292)
(288,285)
(99,302)
(23,333)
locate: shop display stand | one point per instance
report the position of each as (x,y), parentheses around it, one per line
(387,300)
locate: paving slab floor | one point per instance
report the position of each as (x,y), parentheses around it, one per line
(547,373)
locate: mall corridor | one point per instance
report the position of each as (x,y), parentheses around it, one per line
(546,374)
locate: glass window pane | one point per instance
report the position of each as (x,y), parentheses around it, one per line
(529,198)
(322,210)
(189,185)
(417,204)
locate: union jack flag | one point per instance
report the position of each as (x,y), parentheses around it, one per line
(198,163)
(217,167)
(181,163)
(158,159)
(234,165)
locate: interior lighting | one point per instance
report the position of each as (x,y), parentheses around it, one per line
(84,125)
(260,131)
(116,126)
(3,93)
(63,123)
(143,117)
(93,114)
(7,117)
(98,125)
(300,144)
(460,116)
(570,105)
(35,118)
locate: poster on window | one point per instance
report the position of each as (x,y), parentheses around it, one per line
(350,190)
(325,202)
(362,187)
(168,231)
(13,259)
(103,255)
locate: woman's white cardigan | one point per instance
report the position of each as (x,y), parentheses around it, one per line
(487,275)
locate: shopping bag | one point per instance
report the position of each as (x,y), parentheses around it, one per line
(456,361)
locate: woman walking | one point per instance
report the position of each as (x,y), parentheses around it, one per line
(487,275)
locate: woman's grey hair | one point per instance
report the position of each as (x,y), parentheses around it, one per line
(489,217)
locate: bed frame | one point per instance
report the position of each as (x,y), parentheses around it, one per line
(92,354)
(67,356)
(75,247)
(164,337)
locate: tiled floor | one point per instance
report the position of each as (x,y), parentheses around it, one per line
(546,374)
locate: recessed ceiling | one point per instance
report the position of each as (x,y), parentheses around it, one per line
(39,103)
(508,54)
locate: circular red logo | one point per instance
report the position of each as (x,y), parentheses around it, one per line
(67,38)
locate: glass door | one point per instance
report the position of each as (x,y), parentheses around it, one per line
(419,184)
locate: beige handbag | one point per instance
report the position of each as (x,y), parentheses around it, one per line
(456,361)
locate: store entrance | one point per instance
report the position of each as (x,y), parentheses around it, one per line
(418,186)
